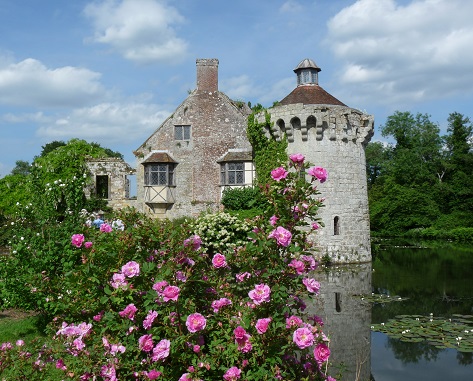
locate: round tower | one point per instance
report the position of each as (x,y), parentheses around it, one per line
(331,135)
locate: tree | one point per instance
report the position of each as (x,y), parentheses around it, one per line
(21,168)
(47,148)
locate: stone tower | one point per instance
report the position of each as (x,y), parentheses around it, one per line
(331,135)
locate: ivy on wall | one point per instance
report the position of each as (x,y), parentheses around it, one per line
(268,152)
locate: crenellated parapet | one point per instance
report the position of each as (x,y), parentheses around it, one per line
(331,122)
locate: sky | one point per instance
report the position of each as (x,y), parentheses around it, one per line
(111,71)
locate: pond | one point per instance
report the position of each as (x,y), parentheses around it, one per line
(430,282)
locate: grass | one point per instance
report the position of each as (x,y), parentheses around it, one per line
(15,325)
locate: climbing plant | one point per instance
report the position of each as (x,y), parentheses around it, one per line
(268,152)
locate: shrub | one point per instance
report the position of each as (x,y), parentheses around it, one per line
(151,301)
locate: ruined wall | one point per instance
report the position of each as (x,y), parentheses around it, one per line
(117,172)
(334,137)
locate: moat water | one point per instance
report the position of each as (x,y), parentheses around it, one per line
(435,280)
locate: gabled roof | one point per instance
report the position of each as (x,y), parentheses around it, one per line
(159,157)
(310,95)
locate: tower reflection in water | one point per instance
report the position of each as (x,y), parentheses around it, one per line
(347,320)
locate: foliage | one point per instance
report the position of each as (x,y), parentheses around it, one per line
(152,301)
(242,198)
(423,180)
(439,332)
(268,152)
(21,168)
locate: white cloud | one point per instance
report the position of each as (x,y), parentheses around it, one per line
(290,6)
(107,122)
(142,31)
(404,53)
(30,83)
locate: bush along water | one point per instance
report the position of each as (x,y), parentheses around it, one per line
(150,301)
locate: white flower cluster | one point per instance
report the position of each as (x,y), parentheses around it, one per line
(221,232)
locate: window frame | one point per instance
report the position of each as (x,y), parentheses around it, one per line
(159,170)
(225,172)
(182,132)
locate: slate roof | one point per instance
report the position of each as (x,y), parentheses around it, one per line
(310,95)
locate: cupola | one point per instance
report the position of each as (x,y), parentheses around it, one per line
(307,72)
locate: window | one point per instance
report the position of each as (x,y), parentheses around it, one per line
(159,174)
(336,226)
(182,133)
(232,173)
(101,186)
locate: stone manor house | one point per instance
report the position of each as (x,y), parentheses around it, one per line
(202,148)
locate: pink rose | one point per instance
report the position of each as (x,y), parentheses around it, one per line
(293,321)
(153,374)
(311,284)
(261,293)
(321,353)
(262,325)
(131,269)
(311,261)
(222,302)
(118,280)
(273,220)
(219,261)
(185,377)
(239,333)
(232,374)
(299,266)
(158,286)
(149,319)
(105,228)
(171,293)
(161,350)
(77,240)
(303,337)
(282,236)
(145,343)
(279,173)
(195,241)
(129,311)
(319,173)
(240,277)
(88,245)
(315,226)
(297,158)
(195,322)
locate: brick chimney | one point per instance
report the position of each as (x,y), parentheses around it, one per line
(207,74)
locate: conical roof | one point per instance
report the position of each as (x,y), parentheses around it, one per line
(308,90)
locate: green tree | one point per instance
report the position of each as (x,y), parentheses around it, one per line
(21,168)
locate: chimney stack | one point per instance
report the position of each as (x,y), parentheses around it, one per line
(207,74)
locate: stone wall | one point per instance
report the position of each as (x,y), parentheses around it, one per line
(218,125)
(115,172)
(334,137)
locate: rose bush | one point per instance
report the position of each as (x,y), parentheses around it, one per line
(153,301)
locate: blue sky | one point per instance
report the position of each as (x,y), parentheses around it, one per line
(110,71)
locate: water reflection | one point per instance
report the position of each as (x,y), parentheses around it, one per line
(433,280)
(347,319)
